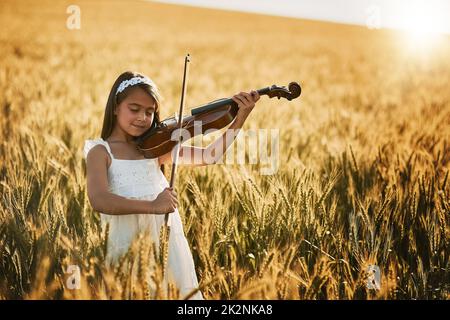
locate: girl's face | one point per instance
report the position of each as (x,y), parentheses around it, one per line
(136,112)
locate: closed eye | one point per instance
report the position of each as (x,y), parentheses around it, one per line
(136,110)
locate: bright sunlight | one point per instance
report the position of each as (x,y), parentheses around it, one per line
(422,23)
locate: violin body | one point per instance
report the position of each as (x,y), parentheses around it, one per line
(159,141)
(218,114)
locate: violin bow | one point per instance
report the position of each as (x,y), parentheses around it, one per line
(165,230)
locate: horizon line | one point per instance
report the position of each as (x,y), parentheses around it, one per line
(291,16)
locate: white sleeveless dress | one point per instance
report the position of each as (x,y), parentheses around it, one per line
(144,180)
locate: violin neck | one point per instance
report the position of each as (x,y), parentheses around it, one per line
(222,102)
(213,105)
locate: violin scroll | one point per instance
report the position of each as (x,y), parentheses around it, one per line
(293,91)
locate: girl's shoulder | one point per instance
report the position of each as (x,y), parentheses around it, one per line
(89,144)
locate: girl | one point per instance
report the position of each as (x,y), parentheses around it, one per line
(130,192)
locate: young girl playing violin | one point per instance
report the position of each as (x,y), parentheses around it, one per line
(131,192)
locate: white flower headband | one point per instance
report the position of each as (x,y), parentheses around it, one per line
(133,81)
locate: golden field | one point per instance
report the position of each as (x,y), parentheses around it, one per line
(364,153)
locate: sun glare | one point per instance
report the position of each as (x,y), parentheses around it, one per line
(421,23)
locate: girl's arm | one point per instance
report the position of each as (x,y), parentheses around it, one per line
(195,156)
(102,200)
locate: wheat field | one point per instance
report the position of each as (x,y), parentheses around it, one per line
(363,163)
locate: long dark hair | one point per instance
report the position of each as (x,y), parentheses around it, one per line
(110,119)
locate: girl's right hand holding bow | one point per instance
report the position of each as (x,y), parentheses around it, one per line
(165,202)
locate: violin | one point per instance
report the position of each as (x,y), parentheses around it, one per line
(217,114)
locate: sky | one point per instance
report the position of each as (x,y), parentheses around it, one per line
(415,16)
